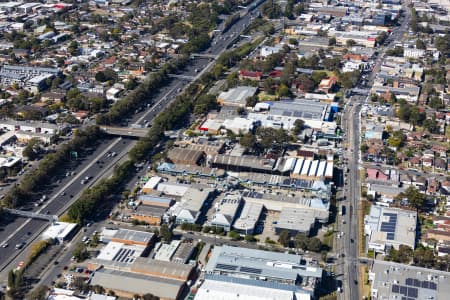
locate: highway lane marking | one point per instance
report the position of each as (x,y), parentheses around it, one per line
(62,189)
(157,103)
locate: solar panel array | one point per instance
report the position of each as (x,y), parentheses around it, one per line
(421,284)
(389,226)
(409,293)
(226,267)
(250,270)
(125,256)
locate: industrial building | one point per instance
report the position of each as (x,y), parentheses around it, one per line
(60,231)
(151,184)
(242,163)
(176,251)
(151,215)
(189,170)
(173,189)
(31,126)
(121,267)
(226,211)
(127,236)
(186,156)
(247,220)
(127,284)
(217,287)
(398,281)
(283,114)
(388,227)
(190,207)
(408,93)
(263,265)
(32,78)
(309,169)
(120,253)
(296,220)
(317,206)
(150,208)
(236,96)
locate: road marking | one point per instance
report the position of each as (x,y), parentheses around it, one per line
(76,177)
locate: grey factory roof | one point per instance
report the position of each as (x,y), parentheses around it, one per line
(302,201)
(218,287)
(304,109)
(260,283)
(399,281)
(249,216)
(300,220)
(35,124)
(190,170)
(12,75)
(12,68)
(407,90)
(226,210)
(260,263)
(137,283)
(391,226)
(150,210)
(159,268)
(133,235)
(243,161)
(237,95)
(386,189)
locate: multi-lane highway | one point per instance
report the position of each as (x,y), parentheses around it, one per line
(97,164)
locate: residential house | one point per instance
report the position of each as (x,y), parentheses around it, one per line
(250,75)
(327,84)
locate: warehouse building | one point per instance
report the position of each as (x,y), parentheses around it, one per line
(190,170)
(226,211)
(120,253)
(185,156)
(190,207)
(236,96)
(388,227)
(246,223)
(310,169)
(217,287)
(149,214)
(316,206)
(399,281)
(176,251)
(150,208)
(173,189)
(127,284)
(263,265)
(127,236)
(283,114)
(31,126)
(296,220)
(151,184)
(165,251)
(242,163)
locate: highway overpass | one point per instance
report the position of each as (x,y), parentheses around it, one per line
(125,131)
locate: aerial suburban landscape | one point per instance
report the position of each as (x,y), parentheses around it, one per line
(225,149)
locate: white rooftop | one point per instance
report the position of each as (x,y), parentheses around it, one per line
(120,252)
(58,230)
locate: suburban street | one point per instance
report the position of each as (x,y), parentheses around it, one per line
(69,188)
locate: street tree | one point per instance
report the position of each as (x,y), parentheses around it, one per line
(284,238)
